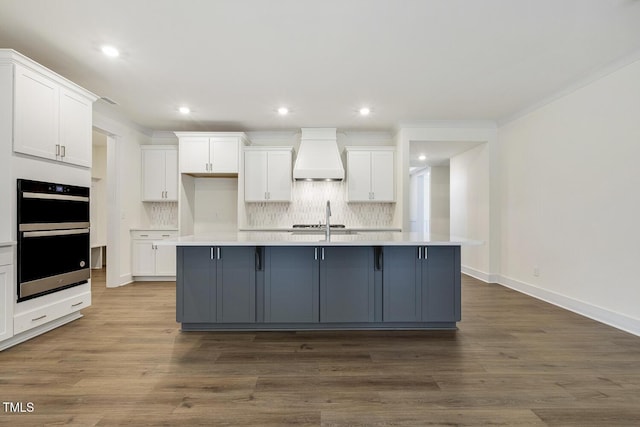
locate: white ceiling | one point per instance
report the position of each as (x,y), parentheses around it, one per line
(235,61)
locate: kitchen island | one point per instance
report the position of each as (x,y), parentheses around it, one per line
(288,281)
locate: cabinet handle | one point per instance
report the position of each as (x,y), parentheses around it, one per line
(315,253)
(219,253)
(144,235)
(57,150)
(212,253)
(322,253)
(77,304)
(425,253)
(64,151)
(166,235)
(39,318)
(419,252)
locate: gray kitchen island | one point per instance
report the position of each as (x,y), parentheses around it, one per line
(288,281)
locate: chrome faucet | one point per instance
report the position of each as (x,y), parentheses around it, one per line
(327,225)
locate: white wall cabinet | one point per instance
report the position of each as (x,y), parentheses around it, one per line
(150,260)
(267,174)
(212,153)
(51,120)
(370,174)
(159,173)
(6,293)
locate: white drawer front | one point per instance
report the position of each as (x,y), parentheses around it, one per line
(49,312)
(153,234)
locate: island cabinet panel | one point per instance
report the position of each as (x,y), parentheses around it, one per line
(401,284)
(236,284)
(291,284)
(347,284)
(216,284)
(195,282)
(441,284)
(421,284)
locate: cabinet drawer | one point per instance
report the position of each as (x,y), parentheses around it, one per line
(153,234)
(49,312)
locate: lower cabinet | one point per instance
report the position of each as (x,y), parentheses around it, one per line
(421,284)
(347,284)
(152,260)
(7,293)
(291,285)
(319,284)
(216,284)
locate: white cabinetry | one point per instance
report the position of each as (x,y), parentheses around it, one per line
(370,174)
(210,153)
(52,117)
(7,293)
(267,174)
(150,260)
(159,173)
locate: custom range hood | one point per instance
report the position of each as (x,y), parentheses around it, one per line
(318,157)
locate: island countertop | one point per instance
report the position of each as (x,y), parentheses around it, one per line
(255,238)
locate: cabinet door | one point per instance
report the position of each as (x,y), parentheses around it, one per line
(144,258)
(165,260)
(153,175)
(255,173)
(401,284)
(224,155)
(441,284)
(382,176)
(171,175)
(291,285)
(347,291)
(7,300)
(75,128)
(194,155)
(359,176)
(279,176)
(236,284)
(195,290)
(35,114)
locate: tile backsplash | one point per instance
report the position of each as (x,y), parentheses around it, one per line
(162,214)
(308,207)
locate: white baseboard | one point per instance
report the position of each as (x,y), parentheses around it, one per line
(602,315)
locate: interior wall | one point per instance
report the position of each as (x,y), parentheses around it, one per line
(439,200)
(125,210)
(470,213)
(569,203)
(215,204)
(99,191)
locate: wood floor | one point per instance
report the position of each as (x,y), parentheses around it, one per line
(514,361)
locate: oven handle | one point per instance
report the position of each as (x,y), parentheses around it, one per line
(47,233)
(29,195)
(54,226)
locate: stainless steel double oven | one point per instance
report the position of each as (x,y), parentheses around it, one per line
(53,237)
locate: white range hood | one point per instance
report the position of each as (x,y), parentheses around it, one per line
(318,157)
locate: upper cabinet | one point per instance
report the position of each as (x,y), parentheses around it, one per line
(210,153)
(159,173)
(370,174)
(267,174)
(52,117)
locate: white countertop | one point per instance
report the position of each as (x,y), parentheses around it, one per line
(255,238)
(318,230)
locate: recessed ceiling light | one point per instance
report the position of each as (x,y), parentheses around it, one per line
(184,110)
(110,51)
(283,111)
(364,111)
(422,157)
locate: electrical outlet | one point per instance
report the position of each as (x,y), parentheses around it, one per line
(536,271)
